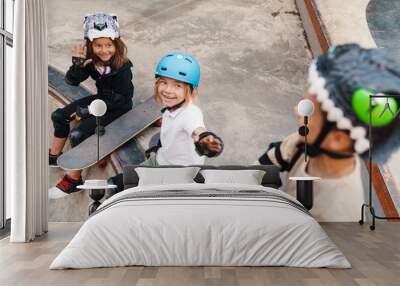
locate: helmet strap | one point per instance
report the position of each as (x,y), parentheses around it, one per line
(314,150)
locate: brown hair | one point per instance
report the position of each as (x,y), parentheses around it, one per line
(190,92)
(117,61)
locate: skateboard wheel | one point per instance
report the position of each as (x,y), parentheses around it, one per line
(102,163)
(158,123)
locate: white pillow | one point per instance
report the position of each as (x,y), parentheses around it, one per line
(162,176)
(248,177)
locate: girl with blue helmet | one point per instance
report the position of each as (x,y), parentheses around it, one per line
(184,140)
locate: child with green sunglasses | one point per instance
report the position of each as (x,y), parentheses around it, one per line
(340,84)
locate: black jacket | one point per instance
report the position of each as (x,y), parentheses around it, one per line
(115,88)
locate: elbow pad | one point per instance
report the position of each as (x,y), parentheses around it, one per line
(265,160)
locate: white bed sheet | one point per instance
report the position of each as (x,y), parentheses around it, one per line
(183,231)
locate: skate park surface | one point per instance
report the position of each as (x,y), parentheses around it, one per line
(254,58)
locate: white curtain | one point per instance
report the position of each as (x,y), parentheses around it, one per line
(26,123)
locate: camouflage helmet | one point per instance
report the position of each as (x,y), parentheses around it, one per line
(101,25)
(343,80)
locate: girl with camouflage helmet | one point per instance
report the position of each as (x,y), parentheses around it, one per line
(103,57)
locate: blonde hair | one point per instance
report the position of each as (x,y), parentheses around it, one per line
(191,94)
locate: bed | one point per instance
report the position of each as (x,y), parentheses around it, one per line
(201,224)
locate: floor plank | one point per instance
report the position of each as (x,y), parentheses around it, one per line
(374,255)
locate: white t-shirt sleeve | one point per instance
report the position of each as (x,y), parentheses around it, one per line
(193,120)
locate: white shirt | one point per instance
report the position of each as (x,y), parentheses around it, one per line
(176,136)
(335,199)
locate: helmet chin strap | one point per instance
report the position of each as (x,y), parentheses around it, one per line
(172,108)
(315,149)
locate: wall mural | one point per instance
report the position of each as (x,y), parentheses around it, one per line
(254,66)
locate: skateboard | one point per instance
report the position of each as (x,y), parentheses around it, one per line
(117,133)
(130,154)
(63,91)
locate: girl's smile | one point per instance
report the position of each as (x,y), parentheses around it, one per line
(171,91)
(104,49)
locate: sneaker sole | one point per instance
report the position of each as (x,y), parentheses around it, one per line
(54,166)
(56,193)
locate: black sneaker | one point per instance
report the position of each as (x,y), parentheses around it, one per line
(69,185)
(53,159)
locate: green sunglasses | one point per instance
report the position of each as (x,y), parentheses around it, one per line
(383,110)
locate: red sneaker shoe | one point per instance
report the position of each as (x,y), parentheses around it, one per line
(69,185)
(102,163)
(158,123)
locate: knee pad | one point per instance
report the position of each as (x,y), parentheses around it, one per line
(60,123)
(77,136)
(58,117)
(118,181)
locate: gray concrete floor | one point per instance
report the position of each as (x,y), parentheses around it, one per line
(253,56)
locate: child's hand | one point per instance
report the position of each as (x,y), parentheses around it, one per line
(152,151)
(80,51)
(207,143)
(149,155)
(212,143)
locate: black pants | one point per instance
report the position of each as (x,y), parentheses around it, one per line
(117,180)
(62,117)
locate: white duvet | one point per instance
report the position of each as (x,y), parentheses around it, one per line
(236,228)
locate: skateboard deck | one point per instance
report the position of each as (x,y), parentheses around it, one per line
(117,133)
(130,154)
(65,92)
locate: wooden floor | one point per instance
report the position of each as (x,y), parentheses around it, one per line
(374,255)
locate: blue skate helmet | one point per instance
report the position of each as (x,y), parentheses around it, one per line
(181,67)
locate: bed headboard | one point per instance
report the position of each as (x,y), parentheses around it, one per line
(270,179)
